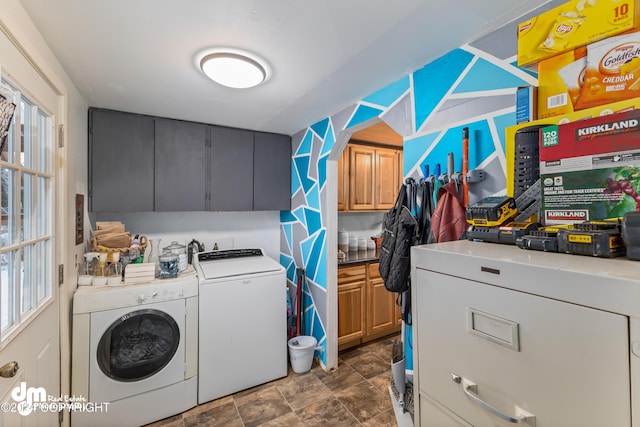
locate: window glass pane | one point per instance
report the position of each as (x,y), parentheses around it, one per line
(27,213)
(43,268)
(43,217)
(7,290)
(8,196)
(26,280)
(27,134)
(7,147)
(43,146)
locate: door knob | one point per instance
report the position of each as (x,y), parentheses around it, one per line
(8,370)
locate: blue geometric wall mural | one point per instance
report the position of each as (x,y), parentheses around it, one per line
(449,88)
(432,82)
(387,96)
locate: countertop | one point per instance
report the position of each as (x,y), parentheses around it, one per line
(360,257)
(608,284)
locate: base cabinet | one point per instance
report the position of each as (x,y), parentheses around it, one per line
(490,356)
(366,310)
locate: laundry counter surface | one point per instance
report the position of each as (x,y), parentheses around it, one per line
(360,257)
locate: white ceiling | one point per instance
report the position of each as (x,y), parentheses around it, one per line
(139,55)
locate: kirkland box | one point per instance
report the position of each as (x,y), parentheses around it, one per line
(590,169)
(573,24)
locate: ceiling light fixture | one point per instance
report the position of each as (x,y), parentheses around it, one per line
(233,68)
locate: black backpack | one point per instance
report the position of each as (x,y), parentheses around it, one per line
(399,233)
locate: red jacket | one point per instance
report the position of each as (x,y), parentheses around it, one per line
(449,220)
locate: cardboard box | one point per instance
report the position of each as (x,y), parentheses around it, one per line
(575,23)
(526,104)
(510,132)
(590,169)
(560,80)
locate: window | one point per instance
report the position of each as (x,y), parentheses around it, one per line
(26,229)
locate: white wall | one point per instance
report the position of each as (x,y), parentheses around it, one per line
(361,224)
(228,229)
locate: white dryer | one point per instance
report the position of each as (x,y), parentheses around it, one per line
(135,349)
(243,321)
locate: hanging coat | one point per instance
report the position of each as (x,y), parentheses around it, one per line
(448,221)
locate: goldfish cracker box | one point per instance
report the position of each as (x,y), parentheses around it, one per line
(590,169)
(560,81)
(575,23)
(612,71)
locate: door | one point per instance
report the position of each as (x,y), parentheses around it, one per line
(121,155)
(180,165)
(271,172)
(231,179)
(361,165)
(32,186)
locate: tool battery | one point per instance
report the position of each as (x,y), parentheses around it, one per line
(592,238)
(492,211)
(507,234)
(539,240)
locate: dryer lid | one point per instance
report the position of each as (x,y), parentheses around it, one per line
(233,262)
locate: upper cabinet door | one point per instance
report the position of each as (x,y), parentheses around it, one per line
(180,166)
(387,178)
(271,172)
(121,160)
(231,176)
(361,165)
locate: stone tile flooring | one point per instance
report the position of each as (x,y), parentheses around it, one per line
(355,394)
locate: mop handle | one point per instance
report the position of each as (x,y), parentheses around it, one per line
(465,166)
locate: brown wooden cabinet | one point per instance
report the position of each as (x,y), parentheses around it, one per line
(366,310)
(368,178)
(381,313)
(351,303)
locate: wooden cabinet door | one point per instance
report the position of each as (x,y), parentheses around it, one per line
(387,178)
(180,165)
(361,165)
(120,162)
(343,180)
(271,172)
(351,300)
(381,312)
(231,175)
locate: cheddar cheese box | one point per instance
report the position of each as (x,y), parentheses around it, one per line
(573,24)
(590,169)
(560,81)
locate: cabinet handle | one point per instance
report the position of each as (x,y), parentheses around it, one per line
(471,389)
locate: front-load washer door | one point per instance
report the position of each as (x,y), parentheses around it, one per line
(136,349)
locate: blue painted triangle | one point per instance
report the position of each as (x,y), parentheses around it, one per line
(322,173)
(306,144)
(287,216)
(390,94)
(300,216)
(288,233)
(414,149)
(329,142)
(362,114)
(487,76)
(313,220)
(306,246)
(432,82)
(295,178)
(302,166)
(321,127)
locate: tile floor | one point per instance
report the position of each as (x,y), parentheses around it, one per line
(355,394)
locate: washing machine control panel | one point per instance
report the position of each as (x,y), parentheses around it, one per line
(90,299)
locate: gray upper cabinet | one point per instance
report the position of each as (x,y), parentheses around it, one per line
(121,147)
(231,175)
(271,172)
(141,163)
(180,165)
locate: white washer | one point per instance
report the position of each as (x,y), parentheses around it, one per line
(135,348)
(243,321)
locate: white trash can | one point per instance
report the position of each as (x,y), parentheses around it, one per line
(301,351)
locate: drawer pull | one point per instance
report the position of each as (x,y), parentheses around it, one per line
(471,389)
(490,270)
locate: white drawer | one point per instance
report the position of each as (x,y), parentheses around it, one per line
(566,364)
